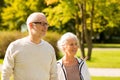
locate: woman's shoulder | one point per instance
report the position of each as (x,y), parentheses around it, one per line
(59,61)
(79,59)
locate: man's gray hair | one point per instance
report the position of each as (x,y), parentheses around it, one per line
(33,17)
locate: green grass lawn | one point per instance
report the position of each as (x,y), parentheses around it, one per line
(104,58)
(105,78)
(106,45)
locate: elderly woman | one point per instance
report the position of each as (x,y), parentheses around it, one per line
(71,67)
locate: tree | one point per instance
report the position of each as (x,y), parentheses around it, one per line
(72,10)
(107,14)
(1,6)
(83,17)
(89,16)
(16,11)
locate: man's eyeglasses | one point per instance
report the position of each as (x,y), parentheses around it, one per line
(41,23)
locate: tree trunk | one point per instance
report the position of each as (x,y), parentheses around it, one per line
(85,34)
(80,37)
(91,33)
(88,38)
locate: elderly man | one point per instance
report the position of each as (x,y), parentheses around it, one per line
(31,58)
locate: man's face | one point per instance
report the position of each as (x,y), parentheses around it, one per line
(40,26)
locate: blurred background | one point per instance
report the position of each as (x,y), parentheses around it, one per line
(95,22)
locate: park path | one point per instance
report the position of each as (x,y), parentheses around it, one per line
(112,72)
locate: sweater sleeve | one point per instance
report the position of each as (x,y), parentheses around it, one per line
(53,71)
(8,64)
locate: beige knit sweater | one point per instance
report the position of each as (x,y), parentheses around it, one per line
(29,61)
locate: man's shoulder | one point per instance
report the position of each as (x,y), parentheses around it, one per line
(18,41)
(47,43)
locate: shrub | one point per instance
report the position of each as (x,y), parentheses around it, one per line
(6,37)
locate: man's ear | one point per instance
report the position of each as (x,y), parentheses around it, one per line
(31,25)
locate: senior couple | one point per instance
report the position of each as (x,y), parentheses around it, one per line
(32,58)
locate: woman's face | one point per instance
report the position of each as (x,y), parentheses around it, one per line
(71,47)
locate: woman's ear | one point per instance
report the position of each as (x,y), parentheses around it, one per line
(63,47)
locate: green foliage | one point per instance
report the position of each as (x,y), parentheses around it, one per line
(1,6)
(16,12)
(107,13)
(61,13)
